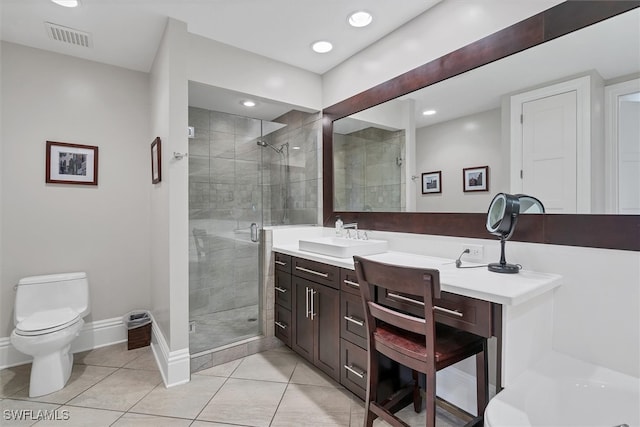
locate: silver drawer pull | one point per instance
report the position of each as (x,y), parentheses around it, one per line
(447,311)
(281,325)
(359,373)
(352,320)
(350,283)
(435,307)
(280,262)
(400,297)
(279,289)
(317,273)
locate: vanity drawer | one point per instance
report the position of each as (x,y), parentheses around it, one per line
(466,313)
(318,272)
(349,281)
(352,324)
(282,262)
(282,326)
(353,365)
(282,289)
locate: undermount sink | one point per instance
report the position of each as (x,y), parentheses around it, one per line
(341,247)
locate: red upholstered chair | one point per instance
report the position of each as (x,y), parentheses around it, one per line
(415,342)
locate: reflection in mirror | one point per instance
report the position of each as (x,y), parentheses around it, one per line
(477,122)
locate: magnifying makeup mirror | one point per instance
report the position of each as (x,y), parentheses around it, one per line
(501,221)
(502,218)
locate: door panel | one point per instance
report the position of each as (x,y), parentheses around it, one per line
(326,303)
(302,336)
(549,138)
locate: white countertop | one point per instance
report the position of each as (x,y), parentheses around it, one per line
(480,283)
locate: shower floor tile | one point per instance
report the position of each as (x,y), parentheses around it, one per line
(215,330)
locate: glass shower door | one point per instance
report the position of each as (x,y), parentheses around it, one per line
(225,206)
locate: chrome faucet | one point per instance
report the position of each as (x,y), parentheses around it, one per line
(353,225)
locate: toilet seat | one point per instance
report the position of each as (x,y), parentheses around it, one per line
(48,321)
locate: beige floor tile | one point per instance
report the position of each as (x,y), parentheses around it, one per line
(146,361)
(267,366)
(22,412)
(120,391)
(182,401)
(224,370)
(211,424)
(143,420)
(82,377)
(244,402)
(313,406)
(14,379)
(408,415)
(115,356)
(72,416)
(306,374)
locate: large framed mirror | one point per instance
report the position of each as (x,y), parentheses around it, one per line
(385,124)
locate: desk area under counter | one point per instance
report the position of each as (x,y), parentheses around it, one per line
(514,308)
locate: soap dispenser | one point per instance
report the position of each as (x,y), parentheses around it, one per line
(339,225)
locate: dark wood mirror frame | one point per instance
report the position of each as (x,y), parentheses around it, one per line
(598,231)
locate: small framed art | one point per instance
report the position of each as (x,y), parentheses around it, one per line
(71,164)
(156,161)
(475,179)
(432,182)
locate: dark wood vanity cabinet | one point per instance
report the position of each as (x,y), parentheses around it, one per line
(319,314)
(311,292)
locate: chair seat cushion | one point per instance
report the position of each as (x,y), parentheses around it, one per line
(450,343)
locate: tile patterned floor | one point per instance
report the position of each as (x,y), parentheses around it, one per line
(111,386)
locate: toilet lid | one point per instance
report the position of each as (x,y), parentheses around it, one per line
(47,321)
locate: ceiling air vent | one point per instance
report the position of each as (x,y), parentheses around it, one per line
(68,35)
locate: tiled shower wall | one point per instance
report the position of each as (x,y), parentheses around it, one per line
(369,170)
(233,182)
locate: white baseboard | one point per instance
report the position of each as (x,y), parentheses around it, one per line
(174,365)
(92,335)
(458,387)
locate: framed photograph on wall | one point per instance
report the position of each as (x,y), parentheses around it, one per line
(156,161)
(475,179)
(432,182)
(71,164)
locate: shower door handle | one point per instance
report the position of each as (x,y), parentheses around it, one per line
(254,232)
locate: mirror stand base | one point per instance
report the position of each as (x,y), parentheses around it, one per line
(503,268)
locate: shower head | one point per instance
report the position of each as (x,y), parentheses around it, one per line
(263,143)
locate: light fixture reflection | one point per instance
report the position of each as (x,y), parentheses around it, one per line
(67,3)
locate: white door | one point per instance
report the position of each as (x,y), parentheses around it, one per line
(549,143)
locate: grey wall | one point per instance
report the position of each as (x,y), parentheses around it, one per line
(52,228)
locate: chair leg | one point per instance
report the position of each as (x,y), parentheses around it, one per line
(482,380)
(417,399)
(430,392)
(372,388)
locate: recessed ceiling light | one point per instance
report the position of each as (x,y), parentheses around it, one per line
(67,3)
(322,46)
(249,103)
(428,112)
(360,19)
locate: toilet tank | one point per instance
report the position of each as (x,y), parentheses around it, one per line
(53,291)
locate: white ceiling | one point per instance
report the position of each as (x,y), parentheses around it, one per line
(127,33)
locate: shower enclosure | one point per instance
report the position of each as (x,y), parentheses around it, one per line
(239,181)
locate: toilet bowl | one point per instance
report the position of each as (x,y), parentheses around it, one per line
(49,313)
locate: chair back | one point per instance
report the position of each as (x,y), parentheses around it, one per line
(403,282)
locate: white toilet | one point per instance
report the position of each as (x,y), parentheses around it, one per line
(48,317)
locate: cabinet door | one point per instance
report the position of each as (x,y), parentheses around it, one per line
(302,340)
(326,318)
